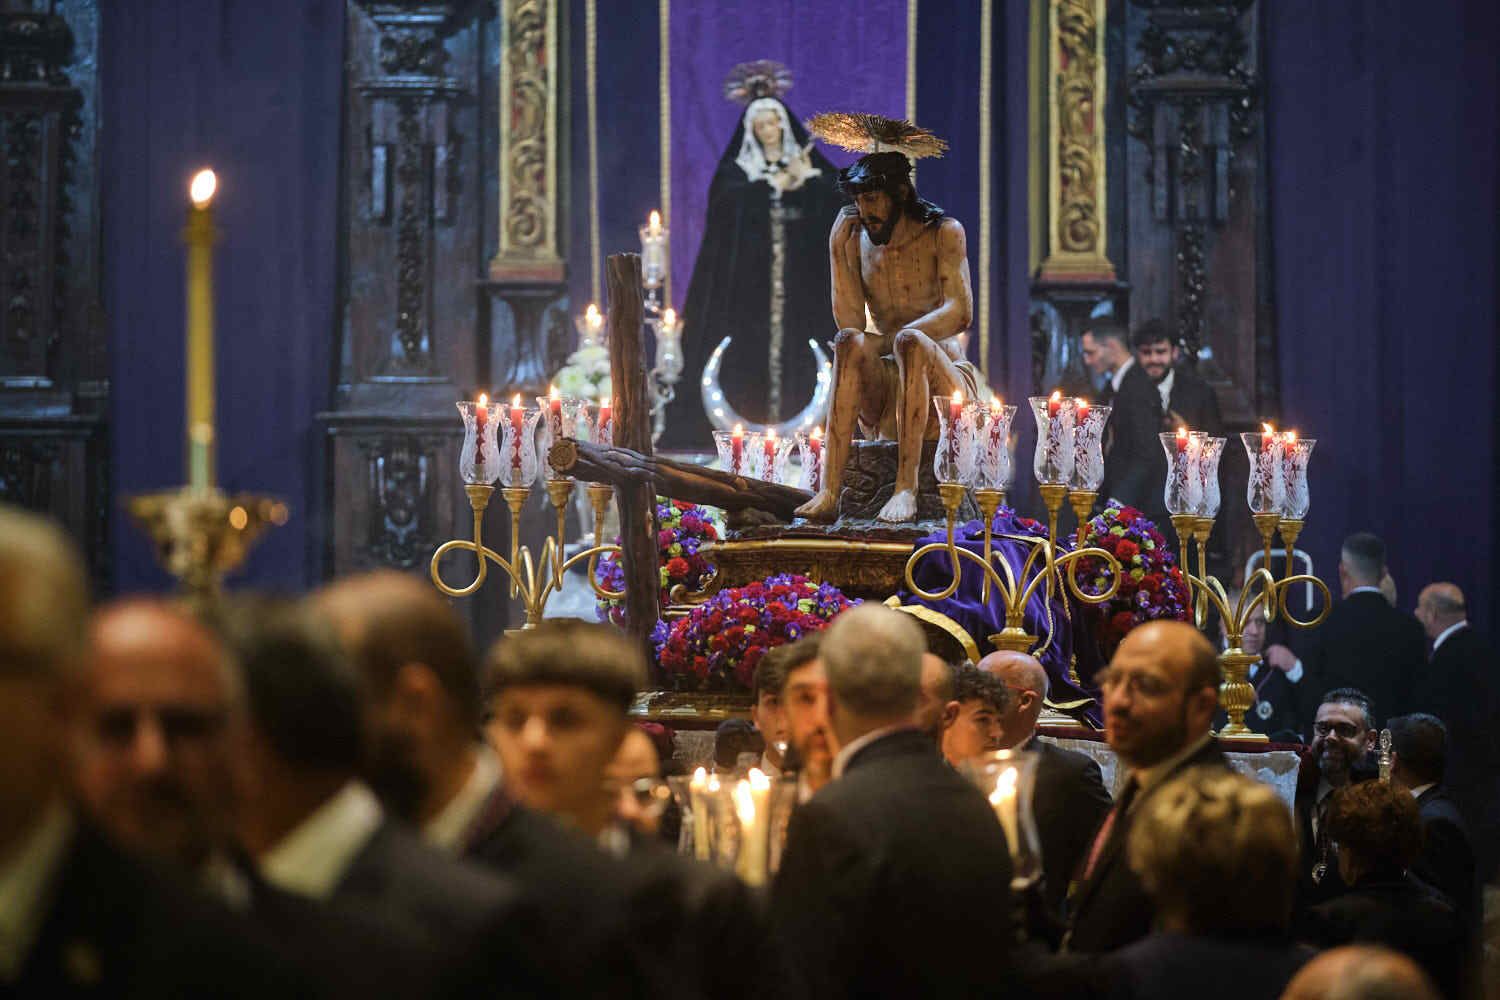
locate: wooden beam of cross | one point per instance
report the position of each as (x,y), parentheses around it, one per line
(632,430)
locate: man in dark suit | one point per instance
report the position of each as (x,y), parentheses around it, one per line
(1459,687)
(1418,764)
(1105,346)
(895,881)
(78,916)
(1366,643)
(315,830)
(1379,834)
(1341,754)
(1068,796)
(1160,693)
(1135,467)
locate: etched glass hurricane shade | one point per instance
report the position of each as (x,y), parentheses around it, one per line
(1052,462)
(810,452)
(954,461)
(1297,500)
(1209,452)
(479,462)
(1008,778)
(1088,447)
(518,455)
(1183,490)
(1266,489)
(996,470)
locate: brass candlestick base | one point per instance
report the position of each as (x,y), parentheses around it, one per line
(1289,529)
(1236,695)
(1053,495)
(1014,639)
(202,535)
(520,568)
(1082,502)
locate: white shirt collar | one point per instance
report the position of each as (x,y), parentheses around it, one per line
(770,770)
(312,859)
(1118,375)
(1416,793)
(1445,633)
(24,878)
(1165,388)
(1367,589)
(846,753)
(1148,776)
(450,827)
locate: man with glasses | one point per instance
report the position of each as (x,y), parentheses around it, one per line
(1068,797)
(1160,694)
(1341,754)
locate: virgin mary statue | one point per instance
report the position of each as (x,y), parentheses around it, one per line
(761,276)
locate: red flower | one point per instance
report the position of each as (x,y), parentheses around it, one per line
(1126,550)
(1121,622)
(678,568)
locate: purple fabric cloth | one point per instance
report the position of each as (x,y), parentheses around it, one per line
(849,59)
(1070,637)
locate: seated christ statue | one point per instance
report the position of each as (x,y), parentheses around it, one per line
(905,261)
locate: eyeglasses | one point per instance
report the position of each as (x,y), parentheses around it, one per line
(1345,730)
(1145,685)
(179,723)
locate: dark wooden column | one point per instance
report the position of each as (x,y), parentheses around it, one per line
(54,377)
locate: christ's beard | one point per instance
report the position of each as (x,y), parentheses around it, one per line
(880,235)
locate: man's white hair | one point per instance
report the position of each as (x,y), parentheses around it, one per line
(873,656)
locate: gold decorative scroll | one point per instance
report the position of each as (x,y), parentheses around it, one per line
(1075,230)
(528,143)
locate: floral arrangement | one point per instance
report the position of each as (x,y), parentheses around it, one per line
(586,373)
(1153,587)
(681,529)
(717,646)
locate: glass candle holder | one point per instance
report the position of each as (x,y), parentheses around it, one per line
(958,439)
(1088,446)
(479,461)
(810,453)
(732,447)
(1266,489)
(1295,453)
(562,421)
(1182,480)
(590,326)
(518,454)
(603,423)
(1209,452)
(755,456)
(1052,463)
(653,251)
(1008,778)
(996,470)
(668,345)
(780,458)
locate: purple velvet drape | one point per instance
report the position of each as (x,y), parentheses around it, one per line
(252,89)
(843,57)
(1382,126)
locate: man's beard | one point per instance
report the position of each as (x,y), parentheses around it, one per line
(881,236)
(393,775)
(1334,764)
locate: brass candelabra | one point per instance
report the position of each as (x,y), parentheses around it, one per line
(202,534)
(1017,590)
(521,569)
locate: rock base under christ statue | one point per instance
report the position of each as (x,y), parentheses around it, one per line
(870,478)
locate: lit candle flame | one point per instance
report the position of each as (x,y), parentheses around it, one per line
(669,318)
(770,434)
(1268,430)
(1056,396)
(1290,437)
(700,779)
(484,401)
(552,392)
(996,404)
(655,222)
(759,780)
(603,402)
(958,398)
(739,430)
(517,401)
(744,803)
(202,189)
(1182,433)
(713,783)
(592,316)
(1005,787)
(817,433)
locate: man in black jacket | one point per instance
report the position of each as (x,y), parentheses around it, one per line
(80,916)
(895,881)
(1135,467)
(1160,693)
(1366,643)
(1341,754)
(1419,762)
(1068,797)
(1459,687)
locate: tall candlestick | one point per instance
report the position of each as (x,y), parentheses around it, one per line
(1054,403)
(736,448)
(768,451)
(752,799)
(1003,801)
(604,423)
(199,237)
(1182,439)
(517,416)
(697,791)
(1081,411)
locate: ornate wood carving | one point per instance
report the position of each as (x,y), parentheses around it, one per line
(53,371)
(1196,197)
(1076,86)
(529,69)
(400,471)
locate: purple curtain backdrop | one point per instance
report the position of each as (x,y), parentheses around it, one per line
(1382,141)
(254,91)
(843,57)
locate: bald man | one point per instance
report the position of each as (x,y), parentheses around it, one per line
(1360,972)
(1160,693)
(154,733)
(936,691)
(1458,686)
(1069,799)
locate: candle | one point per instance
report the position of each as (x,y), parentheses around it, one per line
(769,451)
(752,798)
(517,415)
(1267,436)
(481,422)
(815,448)
(736,448)
(199,237)
(1081,411)
(697,789)
(653,224)
(604,427)
(669,321)
(1182,439)
(1003,801)
(1290,437)
(1054,404)
(593,318)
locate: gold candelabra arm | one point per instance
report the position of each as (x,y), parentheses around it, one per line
(989,502)
(515,498)
(1116,571)
(479,501)
(1082,502)
(1285,586)
(1203,527)
(1289,528)
(560,492)
(1053,495)
(1266,524)
(1236,695)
